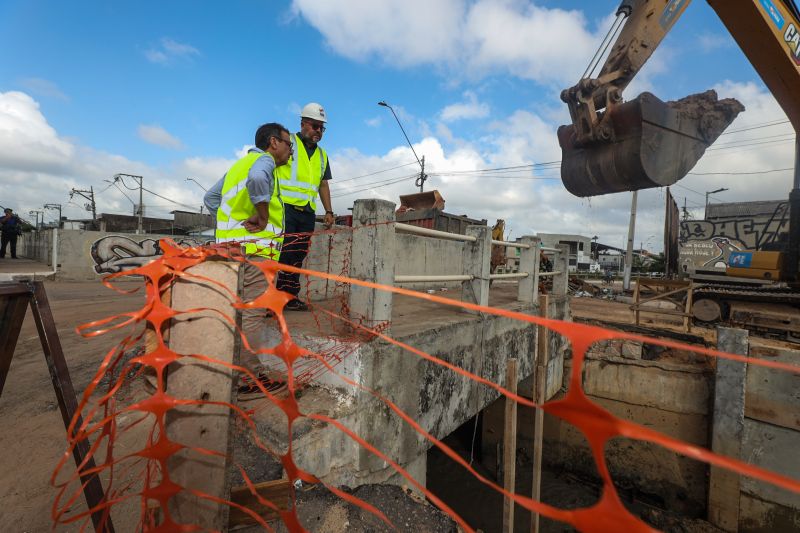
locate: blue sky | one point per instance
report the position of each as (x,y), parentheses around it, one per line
(171,90)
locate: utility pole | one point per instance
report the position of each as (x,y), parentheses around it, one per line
(36,213)
(422,177)
(705,213)
(91,205)
(140,209)
(685,211)
(626,280)
(54,206)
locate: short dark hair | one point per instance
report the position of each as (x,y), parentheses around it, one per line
(265,131)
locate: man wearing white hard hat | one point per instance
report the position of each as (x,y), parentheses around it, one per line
(302,179)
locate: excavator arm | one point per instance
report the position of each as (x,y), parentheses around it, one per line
(613,146)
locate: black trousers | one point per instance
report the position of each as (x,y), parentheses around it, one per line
(9,238)
(298,227)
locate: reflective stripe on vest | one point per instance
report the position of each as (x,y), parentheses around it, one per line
(299,177)
(236,207)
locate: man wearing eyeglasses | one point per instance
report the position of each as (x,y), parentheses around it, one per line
(246,203)
(304,178)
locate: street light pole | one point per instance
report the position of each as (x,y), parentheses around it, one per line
(422,176)
(705,213)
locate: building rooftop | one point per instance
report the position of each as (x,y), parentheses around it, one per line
(742,209)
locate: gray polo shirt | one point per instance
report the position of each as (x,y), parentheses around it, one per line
(260,182)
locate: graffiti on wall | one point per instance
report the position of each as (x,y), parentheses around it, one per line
(115,253)
(705,243)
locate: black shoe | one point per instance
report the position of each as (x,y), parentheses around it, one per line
(296,305)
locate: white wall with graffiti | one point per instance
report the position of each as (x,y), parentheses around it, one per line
(86,255)
(707,244)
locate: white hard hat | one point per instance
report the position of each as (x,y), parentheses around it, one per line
(314,111)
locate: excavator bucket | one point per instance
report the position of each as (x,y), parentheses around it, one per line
(422,200)
(652,144)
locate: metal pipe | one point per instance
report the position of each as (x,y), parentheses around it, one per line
(555,273)
(546,249)
(422,279)
(408,228)
(510,244)
(512,275)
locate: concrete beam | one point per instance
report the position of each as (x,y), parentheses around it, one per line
(727,428)
(477,263)
(202,426)
(529,262)
(372,259)
(561,264)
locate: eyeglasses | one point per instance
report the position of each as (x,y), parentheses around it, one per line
(281,139)
(316,126)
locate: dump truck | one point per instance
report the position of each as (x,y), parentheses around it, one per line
(613,145)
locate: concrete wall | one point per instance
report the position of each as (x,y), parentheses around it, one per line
(85,255)
(82,253)
(672,392)
(439,399)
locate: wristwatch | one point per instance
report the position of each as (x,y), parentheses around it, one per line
(328,212)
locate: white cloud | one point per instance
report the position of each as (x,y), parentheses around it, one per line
(43,87)
(469,38)
(155,134)
(169,51)
(373,122)
(40,166)
(471,108)
(710,42)
(27,141)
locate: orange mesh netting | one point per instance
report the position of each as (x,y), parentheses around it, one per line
(140,473)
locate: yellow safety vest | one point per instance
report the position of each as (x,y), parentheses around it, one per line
(301,176)
(236,207)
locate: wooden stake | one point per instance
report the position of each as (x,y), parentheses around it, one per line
(541,358)
(510,446)
(636,301)
(687,320)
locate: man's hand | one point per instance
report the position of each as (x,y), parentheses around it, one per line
(254,224)
(329,220)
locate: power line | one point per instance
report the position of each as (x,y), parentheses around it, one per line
(740,173)
(376,172)
(376,185)
(756,126)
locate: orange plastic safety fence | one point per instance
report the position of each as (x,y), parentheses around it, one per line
(101,415)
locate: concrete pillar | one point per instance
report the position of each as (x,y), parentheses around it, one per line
(203,426)
(730,380)
(561,264)
(372,259)
(477,263)
(529,262)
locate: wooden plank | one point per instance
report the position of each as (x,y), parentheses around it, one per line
(12,314)
(67,402)
(276,492)
(541,360)
(636,302)
(510,446)
(727,428)
(203,426)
